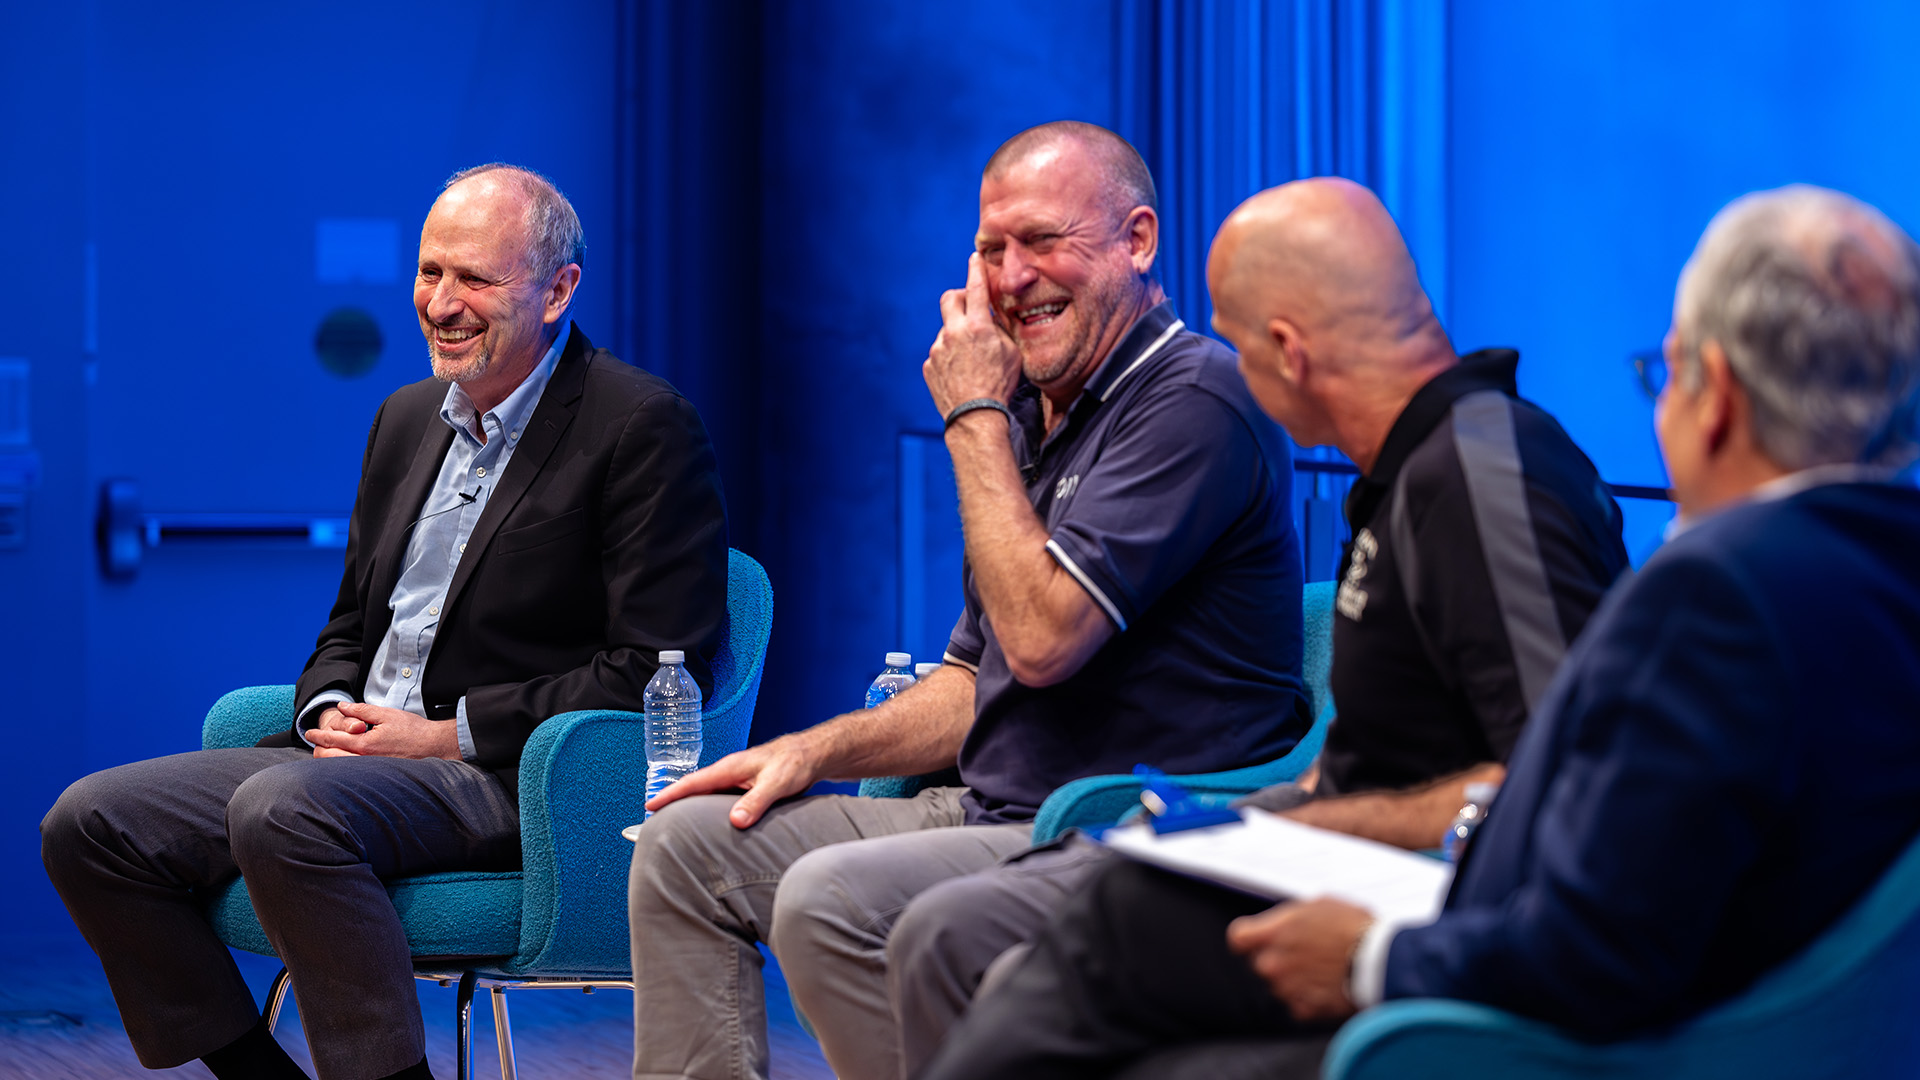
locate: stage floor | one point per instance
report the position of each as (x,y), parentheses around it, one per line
(58,1022)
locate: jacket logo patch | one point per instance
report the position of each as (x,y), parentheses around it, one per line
(1351,600)
(1066,487)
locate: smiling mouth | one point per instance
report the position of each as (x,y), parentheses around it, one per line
(455,335)
(1040,314)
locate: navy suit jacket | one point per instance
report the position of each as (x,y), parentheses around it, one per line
(1727,760)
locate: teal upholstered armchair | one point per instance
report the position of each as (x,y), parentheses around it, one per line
(561,921)
(1101,800)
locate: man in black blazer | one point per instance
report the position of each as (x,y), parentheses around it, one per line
(533,526)
(1725,764)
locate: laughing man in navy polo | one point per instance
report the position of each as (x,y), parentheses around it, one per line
(1132,593)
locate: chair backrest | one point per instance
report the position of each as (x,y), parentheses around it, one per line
(1316,667)
(1832,965)
(741,660)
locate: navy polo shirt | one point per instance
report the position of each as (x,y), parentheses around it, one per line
(1165,494)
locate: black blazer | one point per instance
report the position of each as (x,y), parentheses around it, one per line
(604,543)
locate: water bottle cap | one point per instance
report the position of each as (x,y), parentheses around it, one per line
(921,671)
(673,656)
(899,659)
(1482,794)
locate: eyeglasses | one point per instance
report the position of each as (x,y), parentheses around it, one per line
(1650,367)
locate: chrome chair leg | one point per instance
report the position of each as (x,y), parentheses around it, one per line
(463,1024)
(503,1032)
(276,997)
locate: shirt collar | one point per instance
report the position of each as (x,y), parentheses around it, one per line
(1487,369)
(510,415)
(1793,483)
(1149,333)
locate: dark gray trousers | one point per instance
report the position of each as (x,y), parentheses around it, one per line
(133,850)
(1132,979)
(951,934)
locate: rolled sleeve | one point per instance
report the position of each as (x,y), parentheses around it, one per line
(1162,492)
(468,751)
(966,644)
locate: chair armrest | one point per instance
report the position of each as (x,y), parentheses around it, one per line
(906,787)
(1101,800)
(1460,1040)
(891,787)
(583,778)
(245,716)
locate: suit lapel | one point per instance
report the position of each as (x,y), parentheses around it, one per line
(551,418)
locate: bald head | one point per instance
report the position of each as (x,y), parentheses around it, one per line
(1324,255)
(1312,283)
(1124,175)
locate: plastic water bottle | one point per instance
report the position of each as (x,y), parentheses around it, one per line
(1468,820)
(921,671)
(897,677)
(672,702)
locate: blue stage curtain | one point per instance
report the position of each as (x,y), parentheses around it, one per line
(1226,97)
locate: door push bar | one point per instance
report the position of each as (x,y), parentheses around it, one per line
(122,532)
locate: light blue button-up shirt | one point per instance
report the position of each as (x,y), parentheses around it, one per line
(454,504)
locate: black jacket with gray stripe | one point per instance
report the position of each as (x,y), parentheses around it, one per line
(1483,538)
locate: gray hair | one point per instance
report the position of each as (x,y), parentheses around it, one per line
(553,228)
(1815,298)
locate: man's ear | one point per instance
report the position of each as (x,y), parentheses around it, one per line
(1291,345)
(1721,405)
(1143,238)
(560,292)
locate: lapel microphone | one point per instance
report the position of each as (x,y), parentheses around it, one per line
(467,498)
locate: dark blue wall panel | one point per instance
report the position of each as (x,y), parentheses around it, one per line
(43,585)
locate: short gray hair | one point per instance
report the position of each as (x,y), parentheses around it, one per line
(553,228)
(1125,175)
(1815,297)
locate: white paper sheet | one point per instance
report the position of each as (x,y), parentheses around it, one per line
(1282,859)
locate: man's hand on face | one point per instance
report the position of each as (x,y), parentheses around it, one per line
(1304,949)
(974,356)
(769,772)
(353,729)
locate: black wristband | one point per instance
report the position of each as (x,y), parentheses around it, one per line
(978,403)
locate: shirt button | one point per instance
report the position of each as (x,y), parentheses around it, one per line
(406,673)
(463,549)
(433,611)
(479,472)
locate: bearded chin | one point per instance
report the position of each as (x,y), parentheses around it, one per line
(450,370)
(1041,370)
